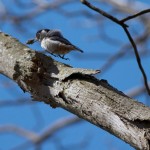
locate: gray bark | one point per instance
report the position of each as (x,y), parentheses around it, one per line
(77,91)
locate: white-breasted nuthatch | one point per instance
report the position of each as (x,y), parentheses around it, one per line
(54,42)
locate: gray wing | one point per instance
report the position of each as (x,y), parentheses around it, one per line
(65,41)
(52,33)
(61,39)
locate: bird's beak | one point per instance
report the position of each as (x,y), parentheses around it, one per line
(32,41)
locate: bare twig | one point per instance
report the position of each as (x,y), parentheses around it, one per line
(136,91)
(135,15)
(123,50)
(42,8)
(48,133)
(138,59)
(55,127)
(124,26)
(7,103)
(112,18)
(19,131)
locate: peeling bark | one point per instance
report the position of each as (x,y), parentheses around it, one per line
(77,91)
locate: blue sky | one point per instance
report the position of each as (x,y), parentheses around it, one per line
(81,32)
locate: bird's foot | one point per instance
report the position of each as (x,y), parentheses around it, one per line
(63,57)
(53,54)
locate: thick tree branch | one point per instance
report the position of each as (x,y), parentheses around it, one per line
(75,90)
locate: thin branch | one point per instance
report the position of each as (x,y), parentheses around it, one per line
(19,131)
(135,15)
(112,59)
(8,103)
(136,91)
(124,26)
(39,138)
(56,126)
(138,59)
(112,18)
(43,7)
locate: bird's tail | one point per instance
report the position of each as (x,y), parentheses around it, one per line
(78,49)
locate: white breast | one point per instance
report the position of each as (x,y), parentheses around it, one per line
(50,45)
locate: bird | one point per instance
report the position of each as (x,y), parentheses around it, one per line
(54,42)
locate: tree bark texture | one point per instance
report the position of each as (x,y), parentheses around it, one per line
(77,91)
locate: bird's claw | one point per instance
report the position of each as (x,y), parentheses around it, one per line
(60,56)
(54,55)
(63,57)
